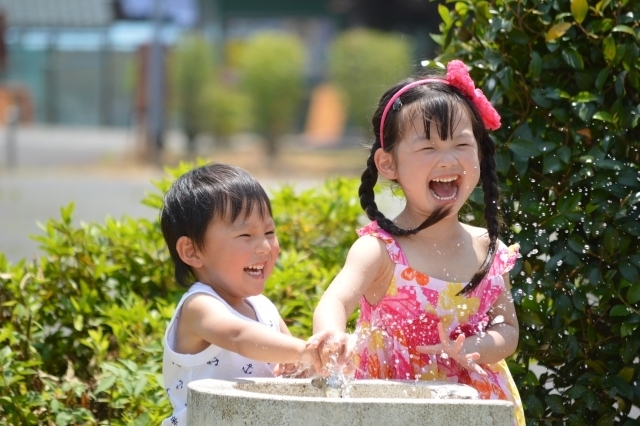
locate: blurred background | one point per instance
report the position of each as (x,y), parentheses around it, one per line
(97,95)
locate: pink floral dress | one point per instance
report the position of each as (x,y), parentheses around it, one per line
(407,316)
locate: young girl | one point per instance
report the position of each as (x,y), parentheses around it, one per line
(218,226)
(433,292)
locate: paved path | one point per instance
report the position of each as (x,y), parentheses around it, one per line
(89,166)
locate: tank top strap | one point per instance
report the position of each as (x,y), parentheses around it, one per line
(393,248)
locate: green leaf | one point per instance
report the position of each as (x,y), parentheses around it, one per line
(78,322)
(569,203)
(540,98)
(603,116)
(628,271)
(444,13)
(551,164)
(554,402)
(535,66)
(623,29)
(524,149)
(558,30)
(602,78)
(573,58)
(602,4)
(579,9)
(633,294)
(105,384)
(585,97)
(609,48)
(620,311)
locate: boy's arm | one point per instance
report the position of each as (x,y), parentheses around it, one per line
(210,320)
(283,327)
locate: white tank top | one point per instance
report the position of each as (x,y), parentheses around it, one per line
(213,362)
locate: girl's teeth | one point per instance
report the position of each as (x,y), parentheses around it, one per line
(451,179)
(439,198)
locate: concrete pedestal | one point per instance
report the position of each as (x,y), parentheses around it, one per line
(288,402)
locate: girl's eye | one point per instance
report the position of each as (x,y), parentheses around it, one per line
(245,235)
(270,233)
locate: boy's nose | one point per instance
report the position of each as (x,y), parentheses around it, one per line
(263,246)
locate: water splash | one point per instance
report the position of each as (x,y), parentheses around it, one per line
(338,383)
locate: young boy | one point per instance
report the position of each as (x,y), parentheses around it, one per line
(218,226)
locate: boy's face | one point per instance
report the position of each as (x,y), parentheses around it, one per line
(239,256)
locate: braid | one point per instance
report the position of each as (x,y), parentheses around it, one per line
(368,203)
(491,197)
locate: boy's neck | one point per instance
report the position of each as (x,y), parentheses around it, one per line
(239,304)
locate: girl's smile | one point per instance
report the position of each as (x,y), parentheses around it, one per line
(435,172)
(445,189)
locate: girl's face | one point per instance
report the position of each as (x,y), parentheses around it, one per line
(435,172)
(239,256)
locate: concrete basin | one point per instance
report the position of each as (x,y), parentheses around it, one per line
(288,402)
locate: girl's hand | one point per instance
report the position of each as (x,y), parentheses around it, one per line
(335,350)
(311,355)
(454,349)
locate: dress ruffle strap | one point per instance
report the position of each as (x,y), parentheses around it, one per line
(393,248)
(505,260)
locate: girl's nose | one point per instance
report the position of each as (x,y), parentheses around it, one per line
(447,159)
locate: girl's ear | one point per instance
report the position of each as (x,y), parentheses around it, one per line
(385,164)
(188,252)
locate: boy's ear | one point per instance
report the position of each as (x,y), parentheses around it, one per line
(188,252)
(385,164)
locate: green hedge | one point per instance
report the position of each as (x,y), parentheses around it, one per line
(565,76)
(81,327)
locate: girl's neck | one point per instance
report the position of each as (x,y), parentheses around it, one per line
(447,229)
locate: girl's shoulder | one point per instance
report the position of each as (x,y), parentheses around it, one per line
(506,255)
(372,235)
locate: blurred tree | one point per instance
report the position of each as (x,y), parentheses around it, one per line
(225,112)
(272,66)
(363,63)
(193,69)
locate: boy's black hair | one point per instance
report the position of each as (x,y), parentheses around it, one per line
(210,192)
(439,103)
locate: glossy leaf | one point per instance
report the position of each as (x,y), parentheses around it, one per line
(558,30)
(579,9)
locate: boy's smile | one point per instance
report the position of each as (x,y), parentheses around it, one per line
(238,257)
(256,271)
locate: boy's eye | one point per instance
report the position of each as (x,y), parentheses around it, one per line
(270,232)
(245,235)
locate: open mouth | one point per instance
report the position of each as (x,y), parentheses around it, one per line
(444,188)
(256,270)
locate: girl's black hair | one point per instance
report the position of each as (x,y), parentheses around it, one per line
(436,102)
(210,192)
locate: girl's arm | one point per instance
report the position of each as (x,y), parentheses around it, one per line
(365,272)
(361,274)
(500,340)
(207,318)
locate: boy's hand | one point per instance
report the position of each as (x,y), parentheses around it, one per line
(453,349)
(294,371)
